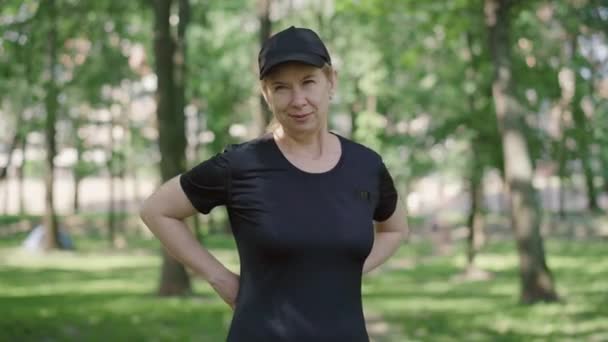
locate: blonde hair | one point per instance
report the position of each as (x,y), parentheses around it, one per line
(328,71)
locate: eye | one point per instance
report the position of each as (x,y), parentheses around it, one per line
(278,87)
(310,81)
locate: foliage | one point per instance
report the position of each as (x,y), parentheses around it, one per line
(398,62)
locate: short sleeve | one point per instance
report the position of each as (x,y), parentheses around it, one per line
(207,185)
(387,196)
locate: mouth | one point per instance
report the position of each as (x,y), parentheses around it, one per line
(300,116)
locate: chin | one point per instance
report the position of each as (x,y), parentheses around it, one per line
(311,125)
(305,127)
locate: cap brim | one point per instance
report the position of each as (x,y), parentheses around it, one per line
(310,59)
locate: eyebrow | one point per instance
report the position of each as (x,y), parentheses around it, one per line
(273,83)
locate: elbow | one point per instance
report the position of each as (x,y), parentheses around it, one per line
(149,216)
(400,237)
(145,212)
(151,213)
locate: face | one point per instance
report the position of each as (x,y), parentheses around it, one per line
(298,95)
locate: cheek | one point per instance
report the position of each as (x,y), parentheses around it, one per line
(321,97)
(278,103)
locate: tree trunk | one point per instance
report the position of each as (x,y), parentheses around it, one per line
(604,166)
(180,67)
(582,131)
(600,118)
(135,186)
(126,157)
(265,115)
(77,179)
(51,236)
(172,138)
(23,138)
(119,162)
(582,145)
(14,143)
(536,279)
(567,84)
(196,149)
(475,218)
(76,172)
(111,198)
(355,108)
(21,177)
(562,172)
(5,197)
(121,241)
(566,99)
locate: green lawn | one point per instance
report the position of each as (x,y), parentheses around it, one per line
(99,295)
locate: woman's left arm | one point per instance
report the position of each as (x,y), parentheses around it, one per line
(388,237)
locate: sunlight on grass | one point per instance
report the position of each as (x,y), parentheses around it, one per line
(527,327)
(78,287)
(419,303)
(489,261)
(100,296)
(593,266)
(75,261)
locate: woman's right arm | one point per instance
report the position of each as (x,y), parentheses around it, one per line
(164,213)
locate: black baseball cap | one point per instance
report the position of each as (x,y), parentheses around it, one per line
(292,45)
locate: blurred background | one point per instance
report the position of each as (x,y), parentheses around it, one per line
(492,116)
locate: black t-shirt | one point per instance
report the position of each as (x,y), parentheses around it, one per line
(302,237)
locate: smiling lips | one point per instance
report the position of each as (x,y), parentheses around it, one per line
(299,116)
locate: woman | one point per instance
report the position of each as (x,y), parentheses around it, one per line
(302,202)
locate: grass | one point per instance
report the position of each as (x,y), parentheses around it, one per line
(428,303)
(95,294)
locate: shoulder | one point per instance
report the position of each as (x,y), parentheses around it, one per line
(249,146)
(248,153)
(359,152)
(230,162)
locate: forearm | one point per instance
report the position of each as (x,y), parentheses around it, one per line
(385,245)
(179,241)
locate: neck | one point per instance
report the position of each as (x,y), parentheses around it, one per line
(311,146)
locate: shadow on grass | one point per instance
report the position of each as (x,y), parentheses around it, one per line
(23,277)
(102,296)
(472,312)
(426,302)
(111,317)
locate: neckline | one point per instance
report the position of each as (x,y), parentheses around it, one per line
(294,167)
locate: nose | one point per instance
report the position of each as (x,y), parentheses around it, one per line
(298,97)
